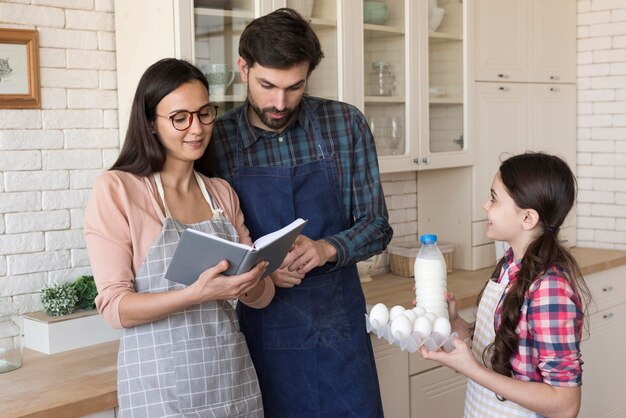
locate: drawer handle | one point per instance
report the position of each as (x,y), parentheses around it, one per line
(503,88)
(554,89)
(502,75)
(608,316)
(554,77)
(607,289)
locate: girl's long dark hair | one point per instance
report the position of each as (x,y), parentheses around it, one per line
(142,152)
(546,184)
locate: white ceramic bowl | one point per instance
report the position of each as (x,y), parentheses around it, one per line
(435,17)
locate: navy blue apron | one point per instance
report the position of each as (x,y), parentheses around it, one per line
(310,348)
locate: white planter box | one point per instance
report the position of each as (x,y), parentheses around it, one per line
(54,334)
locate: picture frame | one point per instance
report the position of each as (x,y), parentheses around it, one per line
(19,69)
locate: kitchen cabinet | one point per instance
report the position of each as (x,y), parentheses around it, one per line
(524,97)
(413,131)
(603,351)
(392,366)
(526,41)
(412,386)
(438,392)
(511,118)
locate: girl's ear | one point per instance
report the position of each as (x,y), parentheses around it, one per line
(531,219)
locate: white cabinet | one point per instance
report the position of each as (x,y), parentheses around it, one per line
(524,96)
(438,392)
(603,352)
(511,118)
(413,131)
(526,41)
(411,386)
(392,366)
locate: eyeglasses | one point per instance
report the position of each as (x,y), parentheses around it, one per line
(182,120)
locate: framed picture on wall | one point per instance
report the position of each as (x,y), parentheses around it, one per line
(19,69)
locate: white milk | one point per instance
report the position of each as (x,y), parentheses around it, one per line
(430,274)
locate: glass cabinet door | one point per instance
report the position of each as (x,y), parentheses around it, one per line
(447,142)
(324,81)
(385,88)
(217,27)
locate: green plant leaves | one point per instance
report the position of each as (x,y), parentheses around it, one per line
(86,289)
(63,299)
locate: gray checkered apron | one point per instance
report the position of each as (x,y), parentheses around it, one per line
(480,402)
(193,363)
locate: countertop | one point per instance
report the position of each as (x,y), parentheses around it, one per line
(83,381)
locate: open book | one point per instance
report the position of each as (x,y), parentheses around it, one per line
(198,251)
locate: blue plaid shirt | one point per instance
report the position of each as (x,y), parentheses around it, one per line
(350,143)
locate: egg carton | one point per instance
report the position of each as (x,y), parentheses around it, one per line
(413,342)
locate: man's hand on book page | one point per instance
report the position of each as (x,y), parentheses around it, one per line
(212,285)
(307,254)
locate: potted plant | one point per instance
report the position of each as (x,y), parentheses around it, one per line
(69,319)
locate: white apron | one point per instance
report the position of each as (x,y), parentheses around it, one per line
(193,363)
(479,401)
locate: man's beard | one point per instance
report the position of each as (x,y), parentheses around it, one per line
(268,121)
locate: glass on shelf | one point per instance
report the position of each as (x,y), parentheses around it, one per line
(382,79)
(216,48)
(388,132)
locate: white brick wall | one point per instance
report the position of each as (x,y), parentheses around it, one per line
(49,157)
(602,123)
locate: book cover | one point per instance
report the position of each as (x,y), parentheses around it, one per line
(198,251)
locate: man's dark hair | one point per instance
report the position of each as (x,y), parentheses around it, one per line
(280,40)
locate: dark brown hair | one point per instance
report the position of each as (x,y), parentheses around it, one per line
(280,40)
(546,184)
(142,152)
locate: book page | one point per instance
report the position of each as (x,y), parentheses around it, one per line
(273,236)
(218,238)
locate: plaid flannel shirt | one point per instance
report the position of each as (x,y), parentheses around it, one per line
(549,329)
(351,144)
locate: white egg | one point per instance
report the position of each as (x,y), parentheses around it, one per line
(395,311)
(401,327)
(419,310)
(431,315)
(442,327)
(411,315)
(379,315)
(423,326)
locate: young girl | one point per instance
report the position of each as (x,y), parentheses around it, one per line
(524,359)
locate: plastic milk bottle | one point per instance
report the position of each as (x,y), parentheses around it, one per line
(430,277)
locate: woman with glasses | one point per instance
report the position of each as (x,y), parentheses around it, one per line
(181,352)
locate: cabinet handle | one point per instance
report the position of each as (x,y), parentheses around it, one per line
(554,89)
(555,77)
(416,161)
(608,316)
(425,160)
(503,75)
(502,88)
(607,289)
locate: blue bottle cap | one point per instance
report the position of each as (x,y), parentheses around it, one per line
(428,239)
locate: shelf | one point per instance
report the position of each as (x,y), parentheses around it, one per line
(384,99)
(237,14)
(383,29)
(444,36)
(446,100)
(330,23)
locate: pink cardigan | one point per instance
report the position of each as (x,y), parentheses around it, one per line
(122,221)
